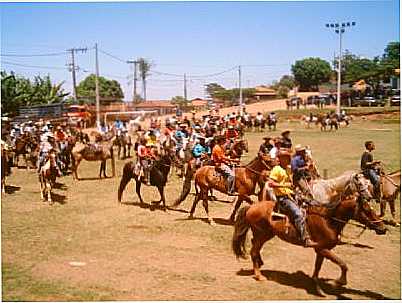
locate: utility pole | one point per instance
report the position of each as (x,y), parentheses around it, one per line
(240,93)
(97,87)
(73,68)
(339,29)
(185,88)
(135,79)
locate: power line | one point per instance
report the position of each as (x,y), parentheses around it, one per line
(32,66)
(33,55)
(112,56)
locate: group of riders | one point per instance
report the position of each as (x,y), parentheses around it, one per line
(208,139)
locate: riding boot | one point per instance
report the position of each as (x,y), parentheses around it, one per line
(304,234)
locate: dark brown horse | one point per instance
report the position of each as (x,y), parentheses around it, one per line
(325,225)
(246,179)
(5,167)
(28,147)
(158,177)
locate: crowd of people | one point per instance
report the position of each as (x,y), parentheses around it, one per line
(208,140)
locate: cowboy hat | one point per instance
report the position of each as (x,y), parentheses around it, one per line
(267,138)
(287,131)
(299,148)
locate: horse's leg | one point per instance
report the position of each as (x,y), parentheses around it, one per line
(162,193)
(205,204)
(49,191)
(236,207)
(100,170)
(196,199)
(317,267)
(104,169)
(259,238)
(41,188)
(392,207)
(138,190)
(326,253)
(383,207)
(76,163)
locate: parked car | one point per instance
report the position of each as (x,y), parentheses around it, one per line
(395,100)
(294,102)
(368,101)
(77,113)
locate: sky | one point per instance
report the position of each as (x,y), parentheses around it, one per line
(207,41)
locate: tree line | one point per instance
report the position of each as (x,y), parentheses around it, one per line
(307,75)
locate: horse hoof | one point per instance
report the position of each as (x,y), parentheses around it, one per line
(211,222)
(260,278)
(339,282)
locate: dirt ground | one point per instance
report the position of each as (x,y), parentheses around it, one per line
(134,252)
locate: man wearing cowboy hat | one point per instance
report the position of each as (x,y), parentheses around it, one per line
(281,183)
(300,170)
(286,140)
(180,136)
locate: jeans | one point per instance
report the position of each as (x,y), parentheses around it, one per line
(290,207)
(375,180)
(230,177)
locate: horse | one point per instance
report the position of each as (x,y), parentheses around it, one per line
(246,179)
(272,123)
(390,188)
(307,120)
(5,167)
(26,145)
(235,152)
(123,141)
(331,122)
(325,225)
(47,177)
(327,191)
(86,152)
(158,177)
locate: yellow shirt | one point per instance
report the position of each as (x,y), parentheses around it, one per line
(279,175)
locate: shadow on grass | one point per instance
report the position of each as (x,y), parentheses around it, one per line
(154,205)
(358,245)
(218,221)
(302,281)
(10,189)
(94,178)
(61,199)
(60,186)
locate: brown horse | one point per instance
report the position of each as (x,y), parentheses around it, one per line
(47,177)
(390,188)
(27,146)
(5,168)
(246,179)
(81,151)
(235,152)
(324,223)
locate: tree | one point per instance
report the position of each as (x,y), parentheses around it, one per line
(213,88)
(311,72)
(107,88)
(144,67)
(287,81)
(17,92)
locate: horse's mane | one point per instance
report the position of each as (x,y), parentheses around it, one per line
(252,162)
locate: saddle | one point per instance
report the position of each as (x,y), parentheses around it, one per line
(96,149)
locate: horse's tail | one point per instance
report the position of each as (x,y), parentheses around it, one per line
(240,233)
(186,185)
(113,163)
(126,177)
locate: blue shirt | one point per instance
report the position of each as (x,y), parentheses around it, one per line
(296,163)
(198,150)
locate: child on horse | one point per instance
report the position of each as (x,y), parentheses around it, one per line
(201,151)
(281,183)
(221,162)
(300,170)
(145,158)
(47,146)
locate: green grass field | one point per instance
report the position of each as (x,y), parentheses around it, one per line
(142,253)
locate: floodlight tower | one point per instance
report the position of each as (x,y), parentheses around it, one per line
(339,29)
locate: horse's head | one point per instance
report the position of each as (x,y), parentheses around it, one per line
(366,215)
(359,184)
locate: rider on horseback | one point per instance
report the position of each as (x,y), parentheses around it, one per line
(280,181)
(231,135)
(180,136)
(370,169)
(221,162)
(145,157)
(300,169)
(46,147)
(201,151)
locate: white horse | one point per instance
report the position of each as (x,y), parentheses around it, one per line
(331,190)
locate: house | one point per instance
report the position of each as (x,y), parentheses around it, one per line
(199,104)
(264,93)
(163,107)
